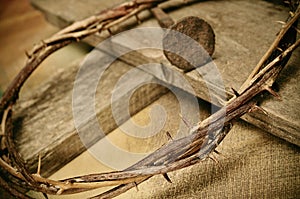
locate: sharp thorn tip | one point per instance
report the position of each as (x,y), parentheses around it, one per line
(167,177)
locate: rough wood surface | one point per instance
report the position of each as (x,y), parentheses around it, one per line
(46,117)
(46,120)
(244,30)
(250,157)
(53,146)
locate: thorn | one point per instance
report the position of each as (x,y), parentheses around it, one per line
(27,55)
(281,22)
(169,136)
(279,49)
(109,31)
(138,19)
(60,191)
(44,43)
(38,172)
(217,162)
(213,158)
(136,186)
(185,122)
(167,177)
(219,165)
(99,27)
(272,92)
(258,108)
(45,195)
(217,152)
(235,92)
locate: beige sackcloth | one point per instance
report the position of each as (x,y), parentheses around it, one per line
(252,164)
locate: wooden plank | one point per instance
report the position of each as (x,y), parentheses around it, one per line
(245,151)
(244,30)
(63,16)
(45,123)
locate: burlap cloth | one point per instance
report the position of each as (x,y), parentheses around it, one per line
(253,164)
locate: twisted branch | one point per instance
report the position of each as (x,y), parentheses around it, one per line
(187,151)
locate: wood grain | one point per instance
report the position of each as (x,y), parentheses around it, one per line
(244,30)
(45,119)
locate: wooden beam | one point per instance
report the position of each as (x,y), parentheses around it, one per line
(45,123)
(45,119)
(240,43)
